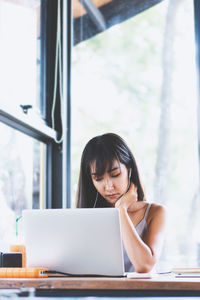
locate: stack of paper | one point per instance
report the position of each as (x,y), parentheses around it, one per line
(186,272)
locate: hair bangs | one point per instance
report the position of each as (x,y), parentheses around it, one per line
(103,160)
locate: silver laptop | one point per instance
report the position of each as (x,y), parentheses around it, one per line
(80,241)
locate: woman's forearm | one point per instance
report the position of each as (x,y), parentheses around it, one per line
(139,253)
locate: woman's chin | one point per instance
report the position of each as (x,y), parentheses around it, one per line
(112,201)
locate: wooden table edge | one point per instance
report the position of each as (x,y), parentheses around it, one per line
(77,283)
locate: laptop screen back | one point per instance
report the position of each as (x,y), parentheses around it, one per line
(76,241)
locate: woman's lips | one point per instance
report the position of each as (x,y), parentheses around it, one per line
(112,196)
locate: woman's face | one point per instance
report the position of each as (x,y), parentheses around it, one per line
(113,183)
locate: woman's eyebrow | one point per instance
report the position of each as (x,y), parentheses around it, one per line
(113,169)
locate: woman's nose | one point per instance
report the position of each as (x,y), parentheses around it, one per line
(108,184)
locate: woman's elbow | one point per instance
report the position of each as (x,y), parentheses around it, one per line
(144,269)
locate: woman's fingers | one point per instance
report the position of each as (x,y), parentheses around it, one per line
(133,188)
(132,192)
(127,199)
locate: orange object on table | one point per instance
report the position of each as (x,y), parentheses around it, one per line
(23,272)
(21,249)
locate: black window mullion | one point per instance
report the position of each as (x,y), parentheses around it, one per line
(54,150)
(54,176)
(67,48)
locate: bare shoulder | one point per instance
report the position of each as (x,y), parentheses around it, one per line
(157,211)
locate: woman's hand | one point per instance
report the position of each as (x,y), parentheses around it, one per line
(129,199)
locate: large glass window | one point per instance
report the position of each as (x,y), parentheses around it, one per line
(22,167)
(27,148)
(138,79)
(20,54)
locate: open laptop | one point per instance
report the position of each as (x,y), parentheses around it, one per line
(80,241)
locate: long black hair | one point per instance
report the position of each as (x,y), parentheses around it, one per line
(103,150)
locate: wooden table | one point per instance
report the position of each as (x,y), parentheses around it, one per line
(163,285)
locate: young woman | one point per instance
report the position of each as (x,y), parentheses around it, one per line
(109,178)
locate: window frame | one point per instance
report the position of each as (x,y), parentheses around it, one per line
(57,164)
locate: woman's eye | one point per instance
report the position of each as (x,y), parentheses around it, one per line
(97,178)
(115,175)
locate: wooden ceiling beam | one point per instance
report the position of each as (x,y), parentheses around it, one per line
(114,12)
